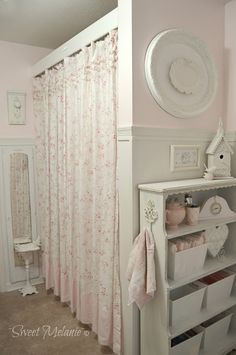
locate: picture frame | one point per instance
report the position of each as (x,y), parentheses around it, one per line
(185,157)
(16,102)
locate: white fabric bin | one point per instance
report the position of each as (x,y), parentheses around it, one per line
(190,346)
(219,291)
(187,262)
(186,302)
(215,332)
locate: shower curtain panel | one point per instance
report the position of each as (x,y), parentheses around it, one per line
(76,114)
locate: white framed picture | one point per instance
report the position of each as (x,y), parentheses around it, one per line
(16,102)
(185,157)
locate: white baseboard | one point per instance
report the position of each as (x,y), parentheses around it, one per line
(19,285)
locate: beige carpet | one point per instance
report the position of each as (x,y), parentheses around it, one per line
(47,323)
(45,317)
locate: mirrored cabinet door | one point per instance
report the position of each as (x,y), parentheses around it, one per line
(19,207)
(20,197)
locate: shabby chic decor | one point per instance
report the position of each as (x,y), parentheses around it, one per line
(216,237)
(185,157)
(78,194)
(16,108)
(26,250)
(216,207)
(180,73)
(219,155)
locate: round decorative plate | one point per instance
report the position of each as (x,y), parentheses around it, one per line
(180,73)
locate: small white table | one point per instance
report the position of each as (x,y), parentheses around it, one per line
(25,251)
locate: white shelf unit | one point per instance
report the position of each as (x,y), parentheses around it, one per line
(156,328)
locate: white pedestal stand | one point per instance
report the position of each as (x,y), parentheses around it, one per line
(25,251)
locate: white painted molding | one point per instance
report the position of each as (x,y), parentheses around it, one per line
(17,141)
(92,33)
(18,285)
(163,134)
(230,136)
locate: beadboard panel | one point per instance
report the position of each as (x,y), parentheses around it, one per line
(130,315)
(144,157)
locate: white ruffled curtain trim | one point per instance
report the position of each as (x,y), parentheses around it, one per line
(76,115)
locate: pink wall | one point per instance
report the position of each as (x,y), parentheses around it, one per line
(125,78)
(203,18)
(15,63)
(230,65)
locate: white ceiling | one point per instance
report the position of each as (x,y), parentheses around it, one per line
(48,23)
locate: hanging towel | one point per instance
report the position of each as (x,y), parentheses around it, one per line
(141,269)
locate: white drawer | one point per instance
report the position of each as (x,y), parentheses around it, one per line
(215,332)
(219,291)
(185,302)
(188,347)
(185,263)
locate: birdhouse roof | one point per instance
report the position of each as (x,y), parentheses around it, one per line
(219,137)
(215,144)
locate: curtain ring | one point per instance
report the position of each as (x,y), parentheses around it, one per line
(92,47)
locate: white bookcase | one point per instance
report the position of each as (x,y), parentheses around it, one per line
(159,318)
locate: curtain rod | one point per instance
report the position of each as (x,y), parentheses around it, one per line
(88,45)
(93,33)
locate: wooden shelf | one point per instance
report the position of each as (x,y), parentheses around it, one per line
(204,315)
(211,265)
(184,229)
(223,346)
(183,186)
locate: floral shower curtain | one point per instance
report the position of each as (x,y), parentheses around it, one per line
(75,109)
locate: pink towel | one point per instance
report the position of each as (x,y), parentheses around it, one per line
(141,270)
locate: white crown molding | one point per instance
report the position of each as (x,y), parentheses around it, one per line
(163,134)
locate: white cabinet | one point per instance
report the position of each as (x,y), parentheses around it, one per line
(185,314)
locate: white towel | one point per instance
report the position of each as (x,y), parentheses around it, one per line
(141,269)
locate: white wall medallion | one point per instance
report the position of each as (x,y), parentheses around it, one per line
(216,238)
(180,73)
(185,157)
(216,207)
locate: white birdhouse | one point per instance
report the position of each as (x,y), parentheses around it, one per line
(219,154)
